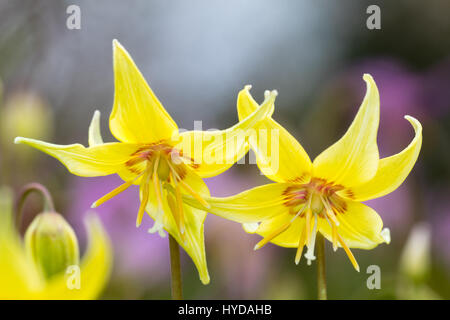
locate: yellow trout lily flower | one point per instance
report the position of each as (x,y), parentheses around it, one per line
(324,195)
(152,153)
(21,277)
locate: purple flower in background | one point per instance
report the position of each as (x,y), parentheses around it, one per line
(436,90)
(138,254)
(244,268)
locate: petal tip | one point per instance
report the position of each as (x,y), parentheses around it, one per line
(247,87)
(205,280)
(18,140)
(116,43)
(386,235)
(367,77)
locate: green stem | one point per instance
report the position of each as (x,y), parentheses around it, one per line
(25,192)
(175,269)
(321,273)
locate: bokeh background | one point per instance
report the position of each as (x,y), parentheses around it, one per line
(197,55)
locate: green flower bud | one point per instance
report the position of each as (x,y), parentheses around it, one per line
(52,244)
(25,114)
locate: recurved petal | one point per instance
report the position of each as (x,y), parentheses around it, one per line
(359,226)
(95,136)
(90,279)
(137,114)
(254,205)
(213,152)
(278,154)
(354,158)
(392,171)
(99,160)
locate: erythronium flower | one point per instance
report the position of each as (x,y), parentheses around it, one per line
(324,195)
(25,268)
(152,153)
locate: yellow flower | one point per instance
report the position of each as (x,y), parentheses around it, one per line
(324,195)
(22,275)
(152,153)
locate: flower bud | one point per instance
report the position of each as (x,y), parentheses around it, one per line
(415,259)
(52,244)
(25,114)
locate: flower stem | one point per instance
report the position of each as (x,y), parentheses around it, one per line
(175,269)
(25,192)
(321,273)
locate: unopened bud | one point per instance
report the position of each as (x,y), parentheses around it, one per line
(51,243)
(415,260)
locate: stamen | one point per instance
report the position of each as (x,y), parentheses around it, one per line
(334,234)
(158,225)
(180,207)
(301,244)
(280,230)
(348,252)
(267,239)
(189,189)
(175,213)
(195,194)
(114,193)
(157,186)
(310,253)
(329,211)
(145,195)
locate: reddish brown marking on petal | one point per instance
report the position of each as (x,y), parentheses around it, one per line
(349,194)
(134,161)
(294,195)
(338,204)
(194,165)
(300,179)
(135,170)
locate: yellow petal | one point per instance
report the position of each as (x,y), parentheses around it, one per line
(95,136)
(250,206)
(213,152)
(392,171)
(279,155)
(137,114)
(193,222)
(94,271)
(19,278)
(359,226)
(288,238)
(354,158)
(99,160)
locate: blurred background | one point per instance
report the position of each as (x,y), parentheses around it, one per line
(196,56)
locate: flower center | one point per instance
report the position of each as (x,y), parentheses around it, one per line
(313,201)
(154,166)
